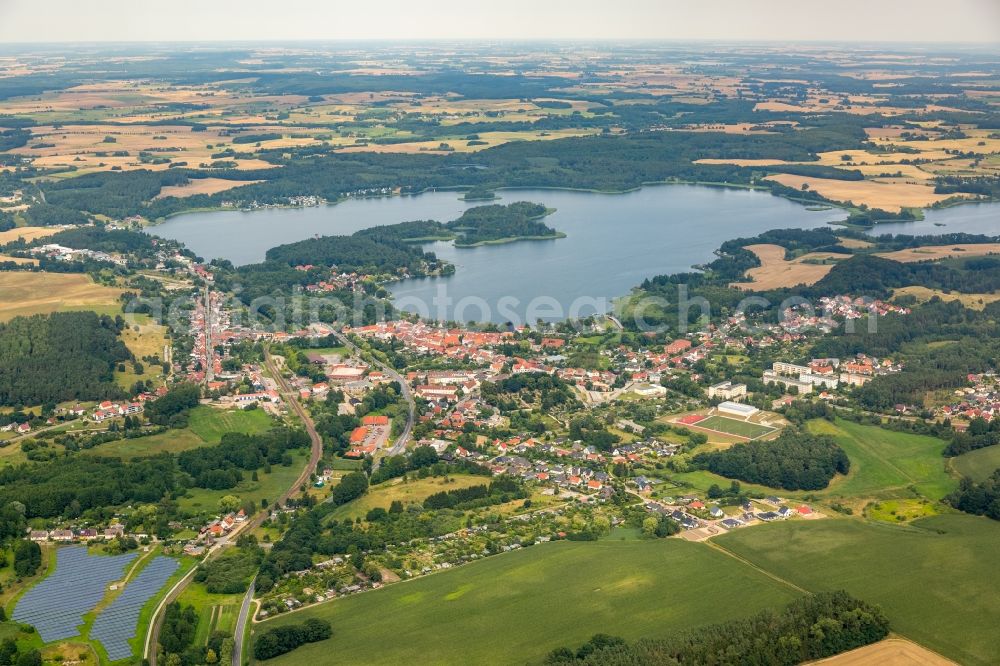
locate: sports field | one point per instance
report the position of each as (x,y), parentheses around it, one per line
(516,607)
(886,464)
(734,427)
(936,580)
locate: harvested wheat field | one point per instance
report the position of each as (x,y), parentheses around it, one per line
(971,301)
(891,197)
(889,652)
(935,252)
(27,233)
(37,293)
(20,261)
(202,186)
(855,243)
(776,272)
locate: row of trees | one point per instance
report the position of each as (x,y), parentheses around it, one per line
(283,639)
(810,628)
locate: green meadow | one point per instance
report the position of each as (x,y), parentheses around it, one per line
(885,463)
(515,608)
(978,465)
(935,578)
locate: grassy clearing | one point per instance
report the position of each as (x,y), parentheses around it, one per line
(268,486)
(936,580)
(206,425)
(887,464)
(515,608)
(412,492)
(978,464)
(143,340)
(900,510)
(23,294)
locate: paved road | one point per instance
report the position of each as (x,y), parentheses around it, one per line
(152,637)
(400,444)
(241,624)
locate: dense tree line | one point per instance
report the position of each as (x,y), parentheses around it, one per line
(808,629)
(171,408)
(74,484)
(502,489)
(232,571)
(795,460)
(351,254)
(283,639)
(220,467)
(549,390)
(980,499)
(59,357)
(978,435)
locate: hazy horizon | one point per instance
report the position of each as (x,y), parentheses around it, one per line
(850,21)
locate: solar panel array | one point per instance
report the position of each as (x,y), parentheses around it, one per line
(55,607)
(117,623)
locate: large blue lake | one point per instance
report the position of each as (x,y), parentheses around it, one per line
(613,242)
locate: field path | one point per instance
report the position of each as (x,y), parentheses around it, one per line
(772,576)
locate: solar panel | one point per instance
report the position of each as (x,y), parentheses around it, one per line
(56,605)
(117,623)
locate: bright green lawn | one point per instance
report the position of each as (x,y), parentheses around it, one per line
(514,608)
(978,464)
(885,464)
(936,580)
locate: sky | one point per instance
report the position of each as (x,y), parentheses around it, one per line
(284,20)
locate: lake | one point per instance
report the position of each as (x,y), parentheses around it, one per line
(613,243)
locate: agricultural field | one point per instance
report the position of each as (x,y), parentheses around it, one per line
(412,492)
(202,186)
(971,301)
(889,652)
(890,196)
(886,464)
(935,252)
(935,578)
(776,272)
(27,233)
(515,608)
(25,294)
(978,465)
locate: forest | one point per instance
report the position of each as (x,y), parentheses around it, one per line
(795,460)
(808,629)
(980,499)
(484,224)
(47,359)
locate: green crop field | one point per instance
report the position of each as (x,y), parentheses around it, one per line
(734,426)
(514,608)
(886,464)
(978,464)
(936,579)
